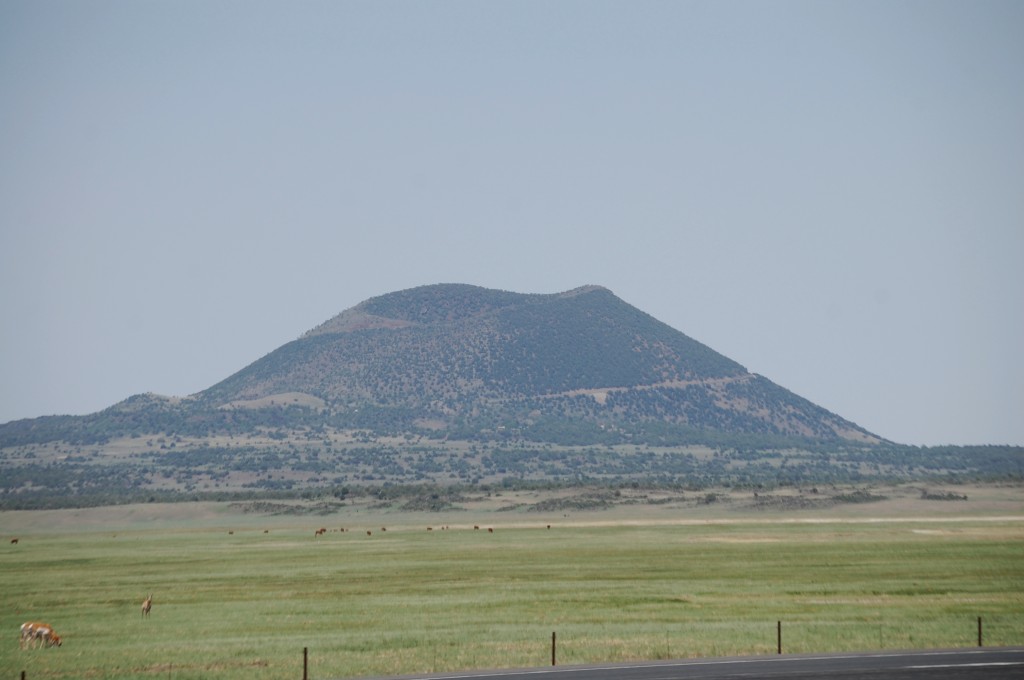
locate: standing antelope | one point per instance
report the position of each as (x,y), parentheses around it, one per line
(147,604)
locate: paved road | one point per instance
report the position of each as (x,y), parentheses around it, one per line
(996,663)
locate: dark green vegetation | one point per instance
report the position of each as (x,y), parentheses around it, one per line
(556,368)
(457,385)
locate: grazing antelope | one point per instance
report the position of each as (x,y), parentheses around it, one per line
(33,632)
(147,604)
(47,637)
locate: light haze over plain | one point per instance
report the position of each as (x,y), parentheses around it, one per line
(830,193)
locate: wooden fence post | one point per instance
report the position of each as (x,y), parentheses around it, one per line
(779,635)
(552,648)
(979,631)
(305,663)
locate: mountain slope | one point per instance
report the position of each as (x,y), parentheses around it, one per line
(458,356)
(455,385)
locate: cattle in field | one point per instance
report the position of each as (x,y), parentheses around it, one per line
(369,533)
(35,634)
(490,530)
(319,531)
(476,526)
(147,605)
(14,541)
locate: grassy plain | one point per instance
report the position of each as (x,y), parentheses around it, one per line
(633,582)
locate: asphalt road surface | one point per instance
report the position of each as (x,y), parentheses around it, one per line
(995,663)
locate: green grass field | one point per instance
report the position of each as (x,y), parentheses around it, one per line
(409,600)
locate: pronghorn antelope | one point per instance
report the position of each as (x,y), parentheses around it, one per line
(47,637)
(33,632)
(147,604)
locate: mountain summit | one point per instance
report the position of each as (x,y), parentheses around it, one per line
(458,358)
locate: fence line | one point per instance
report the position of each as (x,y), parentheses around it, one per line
(554,639)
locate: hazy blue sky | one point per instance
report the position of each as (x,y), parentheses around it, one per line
(830,193)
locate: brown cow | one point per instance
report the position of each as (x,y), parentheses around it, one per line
(14,541)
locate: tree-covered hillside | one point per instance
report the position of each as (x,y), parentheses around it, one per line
(455,384)
(456,355)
